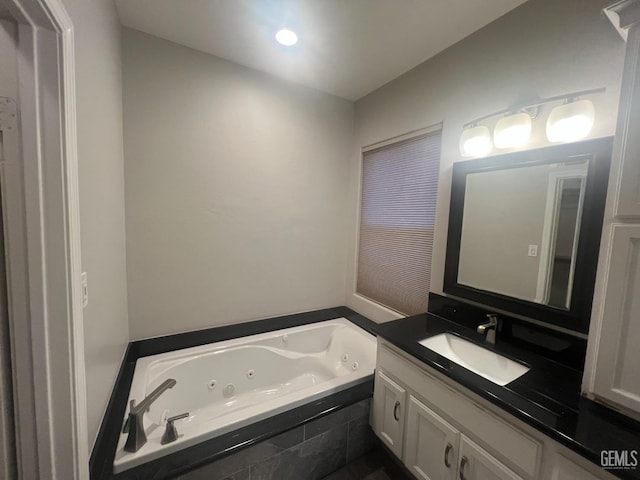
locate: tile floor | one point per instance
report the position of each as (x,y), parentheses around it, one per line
(375,465)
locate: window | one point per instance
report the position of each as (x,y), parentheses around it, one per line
(397,217)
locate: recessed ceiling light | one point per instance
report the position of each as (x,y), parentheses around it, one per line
(286,37)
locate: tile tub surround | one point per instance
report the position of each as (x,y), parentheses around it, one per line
(547,397)
(174,464)
(310,451)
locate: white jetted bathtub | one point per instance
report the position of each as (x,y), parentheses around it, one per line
(227,385)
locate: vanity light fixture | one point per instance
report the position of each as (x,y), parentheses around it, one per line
(513,131)
(570,121)
(475,141)
(286,37)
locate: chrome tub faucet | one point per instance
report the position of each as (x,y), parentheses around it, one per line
(134,425)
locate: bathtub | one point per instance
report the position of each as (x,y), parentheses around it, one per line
(230,384)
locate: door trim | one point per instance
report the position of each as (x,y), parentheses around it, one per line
(44,256)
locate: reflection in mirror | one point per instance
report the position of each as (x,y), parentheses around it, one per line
(520,231)
(524,231)
(565,201)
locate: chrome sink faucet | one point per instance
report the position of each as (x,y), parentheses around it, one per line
(489,328)
(134,425)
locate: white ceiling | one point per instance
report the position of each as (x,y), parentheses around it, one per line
(346,47)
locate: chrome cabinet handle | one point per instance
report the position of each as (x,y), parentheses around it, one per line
(463,464)
(447,451)
(396,411)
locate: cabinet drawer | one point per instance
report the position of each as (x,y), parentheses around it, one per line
(513,447)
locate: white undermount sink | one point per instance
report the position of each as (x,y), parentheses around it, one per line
(490,365)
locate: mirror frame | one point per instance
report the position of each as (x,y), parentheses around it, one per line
(576,318)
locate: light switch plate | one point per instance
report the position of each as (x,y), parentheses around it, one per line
(533,250)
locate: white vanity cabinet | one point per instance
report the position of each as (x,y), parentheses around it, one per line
(565,469)
(476,464)
(440,431)
(613,354)
(432,445)
(438,419)
(388,416)
(436,450)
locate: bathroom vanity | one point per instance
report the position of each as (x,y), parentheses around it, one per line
(444,421)
(457,397)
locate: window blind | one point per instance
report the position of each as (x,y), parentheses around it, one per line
(397,217)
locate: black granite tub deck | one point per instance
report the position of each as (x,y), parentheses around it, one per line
(293,426)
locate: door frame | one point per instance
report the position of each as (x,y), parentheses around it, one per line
(549,230)
(41,203)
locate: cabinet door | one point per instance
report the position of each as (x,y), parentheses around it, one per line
(618,357)
(431,445)
(627,142)
(476,464)
(389,400)
(565,469)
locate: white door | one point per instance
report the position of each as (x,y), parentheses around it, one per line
(476,464)
(431,446)
(389,400)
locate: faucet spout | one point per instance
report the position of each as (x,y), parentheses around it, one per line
(153,396)
(134,425)
(489,328)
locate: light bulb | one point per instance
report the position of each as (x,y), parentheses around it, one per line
(286,37)
(475,141)
(512,131)
(571,121)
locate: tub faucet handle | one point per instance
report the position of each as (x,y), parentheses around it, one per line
(170,433)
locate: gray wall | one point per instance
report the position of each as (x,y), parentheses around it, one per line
(8,59)
(540,49)
(236,191)
(101,175)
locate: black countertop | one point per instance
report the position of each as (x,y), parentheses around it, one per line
(547,397)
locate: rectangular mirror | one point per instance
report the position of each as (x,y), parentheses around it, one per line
(524,231)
